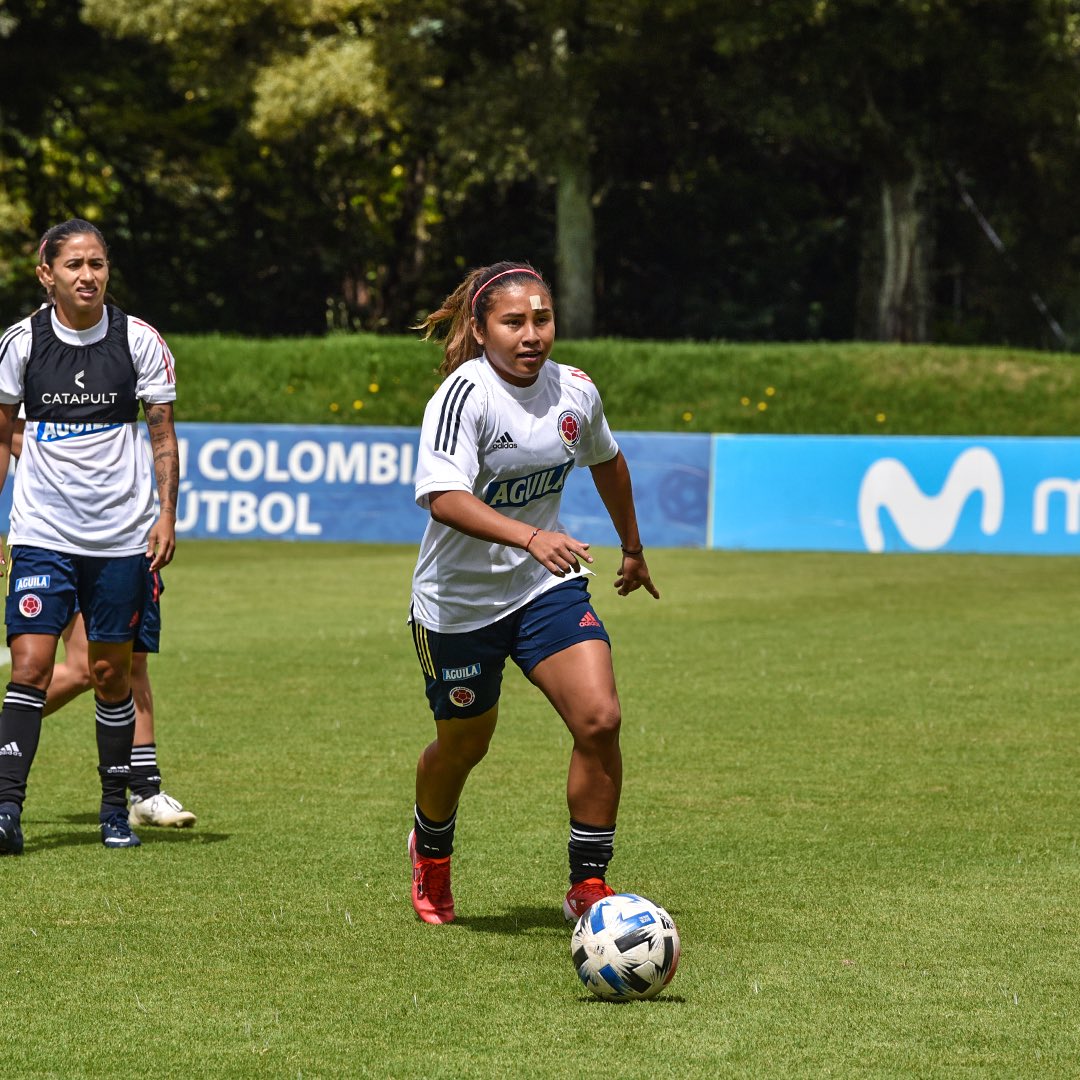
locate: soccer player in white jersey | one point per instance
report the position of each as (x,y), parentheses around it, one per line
(498,577)
(84,527)
(147,803)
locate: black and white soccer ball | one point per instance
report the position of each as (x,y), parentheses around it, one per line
(625,947)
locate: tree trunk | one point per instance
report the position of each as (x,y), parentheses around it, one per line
(903,292)
(575,246)
(575,236)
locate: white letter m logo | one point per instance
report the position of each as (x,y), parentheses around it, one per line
(927,522)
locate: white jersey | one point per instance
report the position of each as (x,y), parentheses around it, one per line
(84,487)
(512,447)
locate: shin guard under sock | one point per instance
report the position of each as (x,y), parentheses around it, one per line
(115,730)
(20,730)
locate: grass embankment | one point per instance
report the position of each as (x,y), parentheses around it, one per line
(820,388)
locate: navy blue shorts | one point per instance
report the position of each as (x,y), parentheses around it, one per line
(46,588)
(463,672)
(148,636)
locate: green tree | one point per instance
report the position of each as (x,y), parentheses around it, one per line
(909,94)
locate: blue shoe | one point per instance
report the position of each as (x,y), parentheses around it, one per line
(116,831)
(11,838)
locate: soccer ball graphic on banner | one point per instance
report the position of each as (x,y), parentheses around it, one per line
(625,947)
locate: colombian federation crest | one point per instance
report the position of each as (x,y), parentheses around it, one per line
(569,428)
(462,697)
(30,606)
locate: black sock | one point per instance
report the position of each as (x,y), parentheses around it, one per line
(434,839)
(20,730)
(115,730)
(590,850)
(145,780)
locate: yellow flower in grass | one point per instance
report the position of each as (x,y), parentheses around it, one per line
(358,404)
(880,418)
(373,388)
(762,406)
(770,391)
(687,417)
(334,406)
(744,401)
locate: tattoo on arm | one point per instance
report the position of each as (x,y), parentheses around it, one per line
(159,419)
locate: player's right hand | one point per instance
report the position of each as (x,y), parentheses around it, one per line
(560,553)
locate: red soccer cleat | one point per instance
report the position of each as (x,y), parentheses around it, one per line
(582,896)
(431,895)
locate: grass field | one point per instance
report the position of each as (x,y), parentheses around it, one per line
(851,779)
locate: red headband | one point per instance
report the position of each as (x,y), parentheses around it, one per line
(516,270)
(41,250)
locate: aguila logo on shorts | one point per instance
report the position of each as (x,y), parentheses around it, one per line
(30,605)
(35,581)
(462,697)
(569,428)
(457,674)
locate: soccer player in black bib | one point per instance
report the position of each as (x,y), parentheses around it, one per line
(84,526)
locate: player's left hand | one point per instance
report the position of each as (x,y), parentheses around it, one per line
(161,543)
(634,574)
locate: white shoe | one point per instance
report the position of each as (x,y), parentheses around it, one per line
(160,809)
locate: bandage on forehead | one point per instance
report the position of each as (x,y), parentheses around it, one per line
(504,273)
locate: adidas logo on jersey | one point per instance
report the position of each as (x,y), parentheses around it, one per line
(11,749)
(503,442)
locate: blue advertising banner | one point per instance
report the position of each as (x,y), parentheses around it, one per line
(670,474)
(293,482)
(758,492)
(1000,495)
(334,483)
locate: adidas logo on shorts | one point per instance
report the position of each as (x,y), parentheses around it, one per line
(11,749)
(589,619)
(503,442)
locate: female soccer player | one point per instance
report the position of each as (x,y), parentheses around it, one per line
(83,521)
(498,577)
(147,803)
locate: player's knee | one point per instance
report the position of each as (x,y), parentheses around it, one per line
(79,674)
(471,751)
(29,673)
(109,680)
(598,728)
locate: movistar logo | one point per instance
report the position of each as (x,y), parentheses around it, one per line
(524,489)
(927,522)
